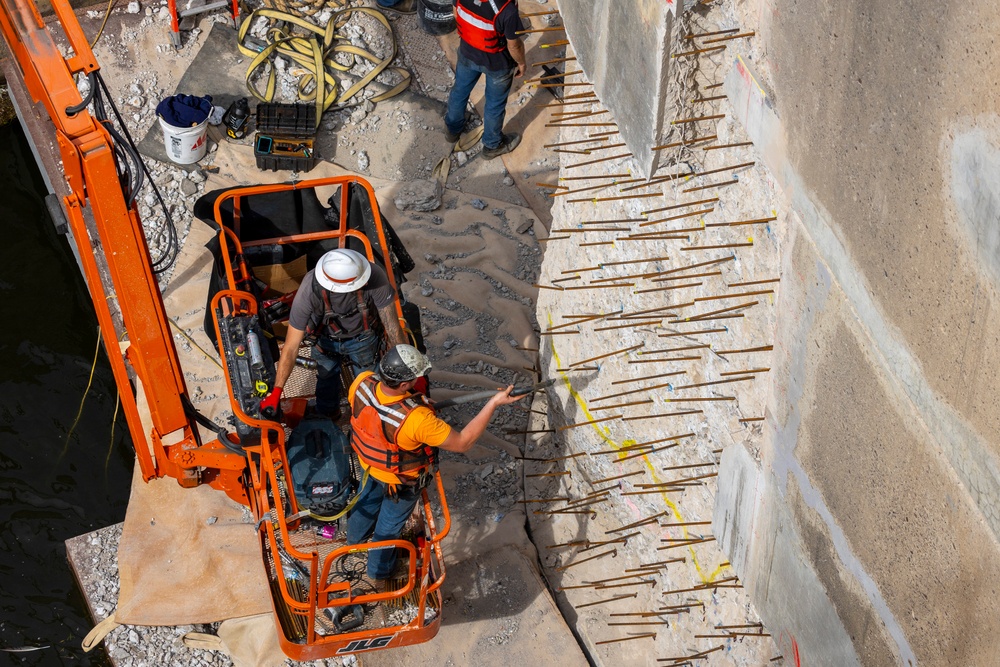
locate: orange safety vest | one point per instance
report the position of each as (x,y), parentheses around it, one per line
(477,25)
(374,427)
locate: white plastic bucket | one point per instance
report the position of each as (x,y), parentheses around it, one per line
(185,145)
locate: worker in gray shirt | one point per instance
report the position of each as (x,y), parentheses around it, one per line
(339,302)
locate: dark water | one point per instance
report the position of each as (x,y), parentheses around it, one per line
(51,487)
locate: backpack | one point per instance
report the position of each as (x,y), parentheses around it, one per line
(319,460)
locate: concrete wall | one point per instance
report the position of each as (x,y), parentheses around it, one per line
(639,31)
(867,530)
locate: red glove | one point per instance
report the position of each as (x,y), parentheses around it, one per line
(269,406)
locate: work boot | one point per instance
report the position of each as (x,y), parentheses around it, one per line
(508,142)
(401,7)
(451,138)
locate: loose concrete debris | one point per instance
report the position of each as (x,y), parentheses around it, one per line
(423,195)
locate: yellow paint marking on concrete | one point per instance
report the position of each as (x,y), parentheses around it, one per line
(605,435)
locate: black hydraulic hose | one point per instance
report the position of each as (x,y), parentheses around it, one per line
(173,245)
(125,145)
(77,108)
(193,413)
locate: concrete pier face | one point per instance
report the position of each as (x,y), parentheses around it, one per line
(866,533)
(623,48)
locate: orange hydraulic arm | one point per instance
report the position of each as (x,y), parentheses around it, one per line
(114,255)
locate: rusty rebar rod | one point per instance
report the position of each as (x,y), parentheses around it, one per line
(697,119)
(659,563)
(699,399)
(622,405)
(762,348)
(686,276)
(740,223)
(711,185)
(714,382)
(623,476)
(605,601)
(710,262)
(640,522)
(696,52)
(650,377)
(692,465)
(627,585)
(623,350)
(591,421)
(667,288)
(646,635)
(691,35)
(715,148)
(692,214)
(748,283)
(621,198)
(562,568)
(675,482)
(726,39)
(734,295)
(651,451)
(688,544)
(686,142)
(630,391)
(574,143)
(551,62)
(694,333)
(690,203)
(657,361)
(599,160)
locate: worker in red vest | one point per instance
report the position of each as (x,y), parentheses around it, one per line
(396,435)
(490,45)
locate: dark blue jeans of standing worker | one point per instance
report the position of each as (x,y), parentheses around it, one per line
(498,84)
(359,351)
(381,517)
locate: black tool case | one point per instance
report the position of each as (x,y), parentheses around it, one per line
(285,138)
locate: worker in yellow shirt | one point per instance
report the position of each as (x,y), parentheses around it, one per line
(396,434)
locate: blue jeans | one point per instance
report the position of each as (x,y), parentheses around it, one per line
(381,517)
(328,353)
(498,85)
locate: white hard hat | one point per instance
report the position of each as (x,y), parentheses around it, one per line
(342,270)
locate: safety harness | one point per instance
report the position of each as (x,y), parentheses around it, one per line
(374,428)
(331,323)
(477,25)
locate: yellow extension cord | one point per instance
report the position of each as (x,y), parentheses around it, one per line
(315,48)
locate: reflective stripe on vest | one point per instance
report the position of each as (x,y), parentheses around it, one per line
(374,428)
(478,29)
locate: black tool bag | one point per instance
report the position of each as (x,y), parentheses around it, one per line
(319,457)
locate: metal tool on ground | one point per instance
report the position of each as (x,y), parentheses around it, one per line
(480,395)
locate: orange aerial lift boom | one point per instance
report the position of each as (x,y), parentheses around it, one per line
(320,610)
(118,270)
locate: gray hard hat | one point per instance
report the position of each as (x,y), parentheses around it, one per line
(403,363)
